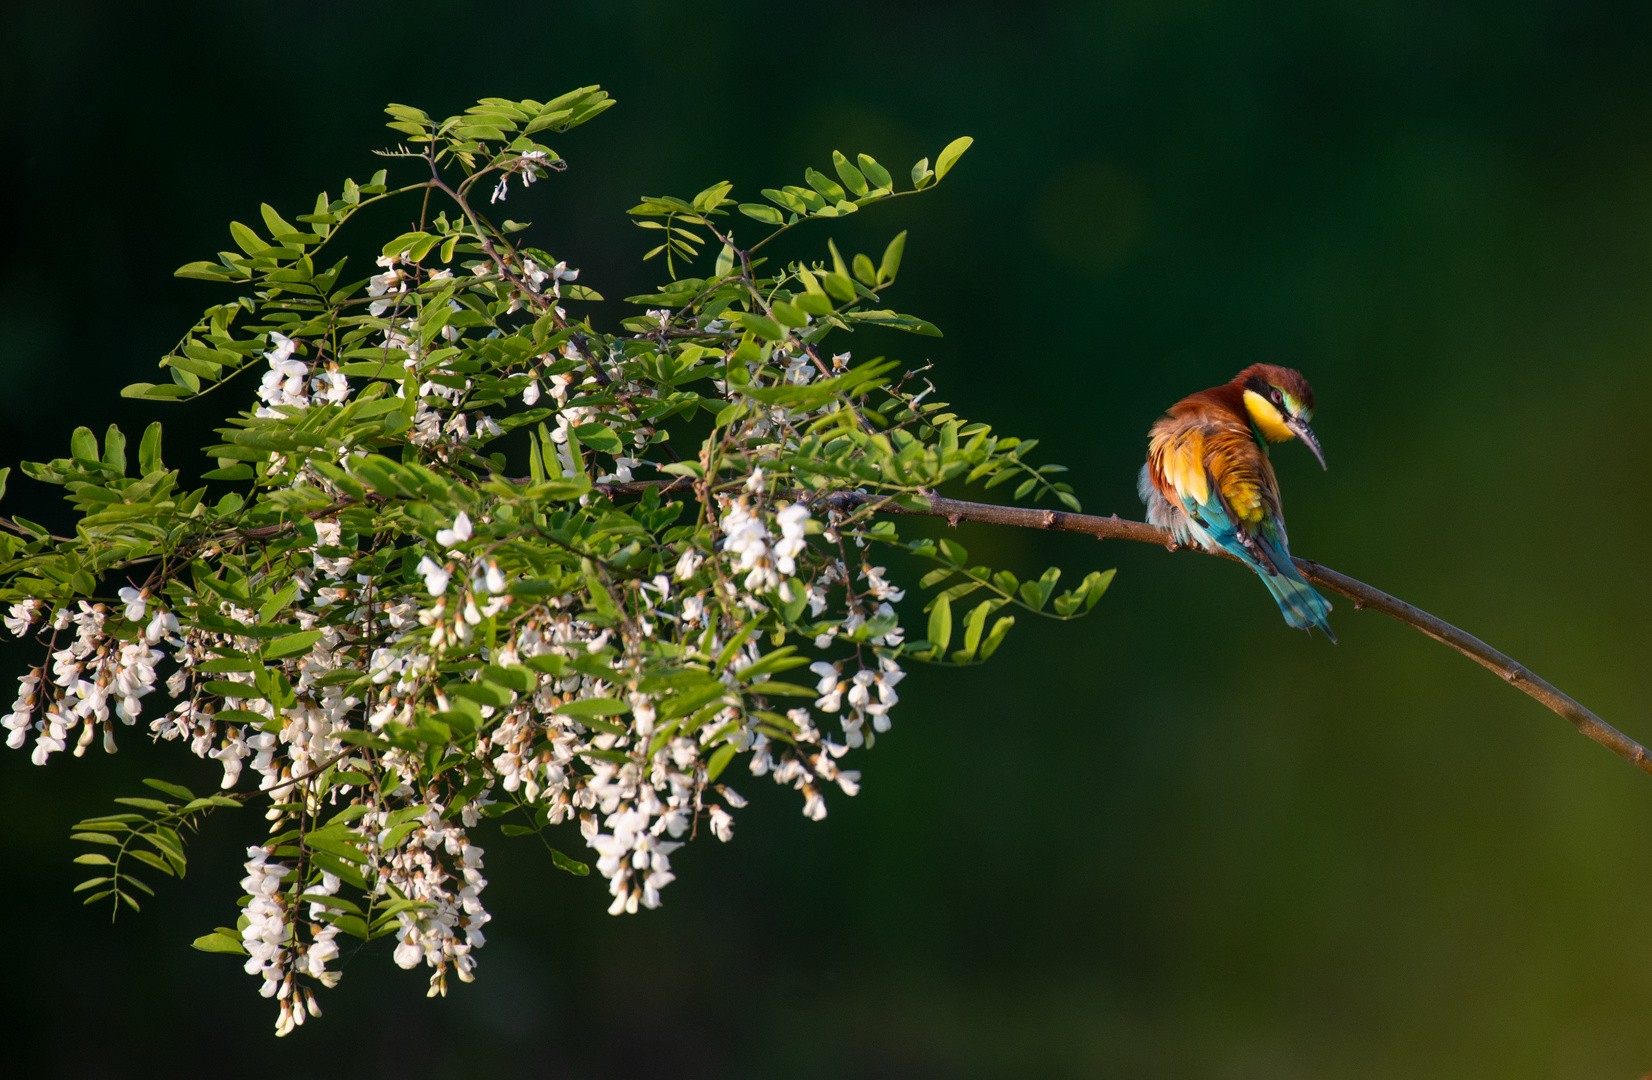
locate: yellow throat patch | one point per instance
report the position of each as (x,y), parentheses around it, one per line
(1267,417)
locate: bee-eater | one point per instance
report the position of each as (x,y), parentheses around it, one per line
(1207,478)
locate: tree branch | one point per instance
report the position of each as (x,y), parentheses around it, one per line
(1363,595)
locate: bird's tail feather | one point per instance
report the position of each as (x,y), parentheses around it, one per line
(1302,606)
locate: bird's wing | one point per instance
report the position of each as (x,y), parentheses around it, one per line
(1176,454)
(1241,511)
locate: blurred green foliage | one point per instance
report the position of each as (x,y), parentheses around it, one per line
(1180,842)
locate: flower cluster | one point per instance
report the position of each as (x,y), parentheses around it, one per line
(95,678)
(405,629)
(289,382)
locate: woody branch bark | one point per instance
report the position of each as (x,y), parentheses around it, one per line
(1363,596)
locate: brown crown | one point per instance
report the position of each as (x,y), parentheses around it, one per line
(1287,379)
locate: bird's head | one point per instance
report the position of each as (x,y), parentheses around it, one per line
(1280,403)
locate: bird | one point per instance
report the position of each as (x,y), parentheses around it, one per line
(1208,479)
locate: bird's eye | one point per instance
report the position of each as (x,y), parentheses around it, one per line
(1278,398)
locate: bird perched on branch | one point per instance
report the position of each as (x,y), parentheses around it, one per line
(1208,480)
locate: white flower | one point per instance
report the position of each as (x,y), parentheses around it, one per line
(748,544)
(284,348)
(164,623)
(881,589)
(435,576)
(531,394)
(456,535)
(136,601)
(389,283)
(22,616)
(828,675)
(532,164)
(332,386)
(793,519)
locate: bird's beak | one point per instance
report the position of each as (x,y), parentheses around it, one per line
(1299,427)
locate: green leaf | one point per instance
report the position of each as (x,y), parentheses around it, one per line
(839,286)
(1047,581)
(229,689)
(84,445)
(719,761)
(976,623)
(292,644)
(768,215)
(600,437)
(874,172)
(935,577)
(787,199)
(149,858)
(272,607)
(823,184)
(949,157)
(145,804)
(219,941)
(593,707)
(114,450)
(788,315)
(274,222)
(204,271)
(782,689)
(95,838)
(484,692)
(996,637)
(162,391)
(892,258)
(816,304)
(762,326)
(712,197)
(852,178)
(177,791)
(245,239)
(1094,585)
(149,450)
(569,864)
(940,624)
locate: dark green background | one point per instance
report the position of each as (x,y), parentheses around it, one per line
(1173,840)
